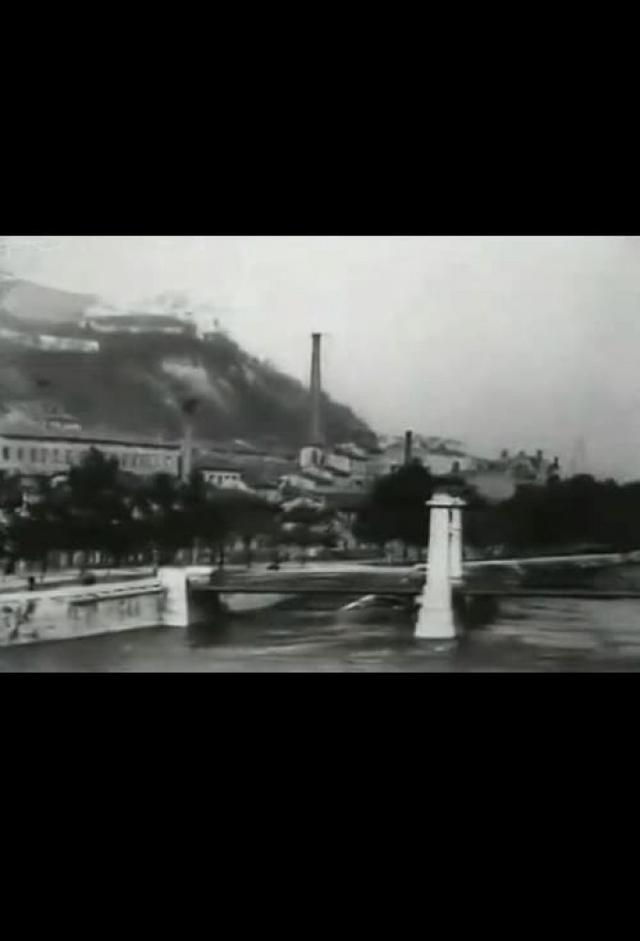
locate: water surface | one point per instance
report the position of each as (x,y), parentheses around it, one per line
(526,635)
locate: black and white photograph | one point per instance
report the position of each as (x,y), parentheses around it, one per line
(319,454)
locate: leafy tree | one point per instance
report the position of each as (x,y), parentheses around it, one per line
(573,514)
(396,508)
(247,517)
(11,496)
(98,507)
(36,526)
(154,505)
(202,517)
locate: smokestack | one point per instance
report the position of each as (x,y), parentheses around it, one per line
(187,453)
(408,446)
(315,431)
(188,409)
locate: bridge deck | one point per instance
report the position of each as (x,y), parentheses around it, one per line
(354,584)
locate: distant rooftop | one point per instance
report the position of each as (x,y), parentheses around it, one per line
(262,477)
(347,500)
(214,463)
(137,319)
(9,429)
(39,410)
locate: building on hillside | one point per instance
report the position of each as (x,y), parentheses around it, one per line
(58,344)
(359,459)
(338,462)
(32,452)
(44,412)
(261,470)
(497,479)
(245,455)
(301,482)
(493,484)
(523,467)
(311,456)
(307,502)
(345,504)
(438,456)
(49,343)
(219,473)
(325,468)
(350,468)
(137,323)
(265,482)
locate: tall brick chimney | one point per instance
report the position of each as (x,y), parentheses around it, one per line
(316,436)
(408,447)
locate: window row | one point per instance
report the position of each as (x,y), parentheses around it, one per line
(63,456)
(221,478)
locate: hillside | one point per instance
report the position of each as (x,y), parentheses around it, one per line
(40,304)
(136,383)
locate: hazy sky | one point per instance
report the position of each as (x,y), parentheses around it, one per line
(500,341)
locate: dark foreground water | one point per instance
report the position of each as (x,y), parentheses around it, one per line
(524,635)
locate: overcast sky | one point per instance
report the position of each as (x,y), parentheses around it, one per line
(499,341)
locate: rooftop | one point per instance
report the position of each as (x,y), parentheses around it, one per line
(262,477)
(34,431)
(347,500)
(214,463)
(131,320)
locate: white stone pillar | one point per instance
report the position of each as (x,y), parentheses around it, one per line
(176,607)
(435,615)
(455,541)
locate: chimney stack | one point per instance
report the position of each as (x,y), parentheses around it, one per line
(315,430)
(187,452)
(188,410)
(408,447)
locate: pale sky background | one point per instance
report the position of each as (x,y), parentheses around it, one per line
(499,341)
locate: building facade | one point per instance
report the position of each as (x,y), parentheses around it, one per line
(436,456)
(136,323)
(498,479)
(49,453)
(44,341)
(224,478)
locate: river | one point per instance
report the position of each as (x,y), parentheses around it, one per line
(525,635)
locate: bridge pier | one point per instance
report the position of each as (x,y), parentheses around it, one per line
(175,582)
(181,609)
(455,541)
(435,615)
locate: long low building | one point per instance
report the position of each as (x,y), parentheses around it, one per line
(49,452)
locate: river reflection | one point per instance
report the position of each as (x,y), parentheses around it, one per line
(525,635)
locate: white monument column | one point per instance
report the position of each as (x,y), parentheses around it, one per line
(455,541)
(435,616)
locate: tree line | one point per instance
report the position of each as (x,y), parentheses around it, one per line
(577,513)
(99,508)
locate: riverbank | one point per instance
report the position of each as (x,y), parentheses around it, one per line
(9,584)
(132,599)
(526,636)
